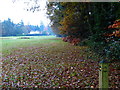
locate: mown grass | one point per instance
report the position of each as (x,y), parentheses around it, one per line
(47,62)
(9,44)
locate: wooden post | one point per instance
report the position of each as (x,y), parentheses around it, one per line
(103,74)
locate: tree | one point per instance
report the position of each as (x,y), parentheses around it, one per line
(87,20)
(41,26)
(54,11)
(11,29)
(8,28)
(75,19)
(103,15)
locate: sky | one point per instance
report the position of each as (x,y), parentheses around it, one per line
(16,11)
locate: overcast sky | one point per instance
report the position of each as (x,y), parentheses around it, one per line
(16,11)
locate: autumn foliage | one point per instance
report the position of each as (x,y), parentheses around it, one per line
(116,27)
(113,41)
(92,23)
(70,39)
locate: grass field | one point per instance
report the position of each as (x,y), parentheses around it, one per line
(48,62)
(13,43)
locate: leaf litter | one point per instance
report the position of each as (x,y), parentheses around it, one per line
(53,66)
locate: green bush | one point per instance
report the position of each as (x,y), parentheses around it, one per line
(83,42)
(113,51)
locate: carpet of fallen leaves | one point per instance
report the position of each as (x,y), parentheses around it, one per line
(53,65)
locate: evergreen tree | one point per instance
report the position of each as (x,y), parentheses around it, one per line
(8,28)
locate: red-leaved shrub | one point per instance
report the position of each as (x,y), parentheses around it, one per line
(75,41)
(70,39)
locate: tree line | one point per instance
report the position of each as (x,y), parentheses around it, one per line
(8,28)
(90,22)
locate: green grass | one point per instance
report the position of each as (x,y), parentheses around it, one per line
(9,44)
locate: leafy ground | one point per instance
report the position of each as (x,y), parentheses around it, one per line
(48,62)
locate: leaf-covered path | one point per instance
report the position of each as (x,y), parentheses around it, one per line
(51,65)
